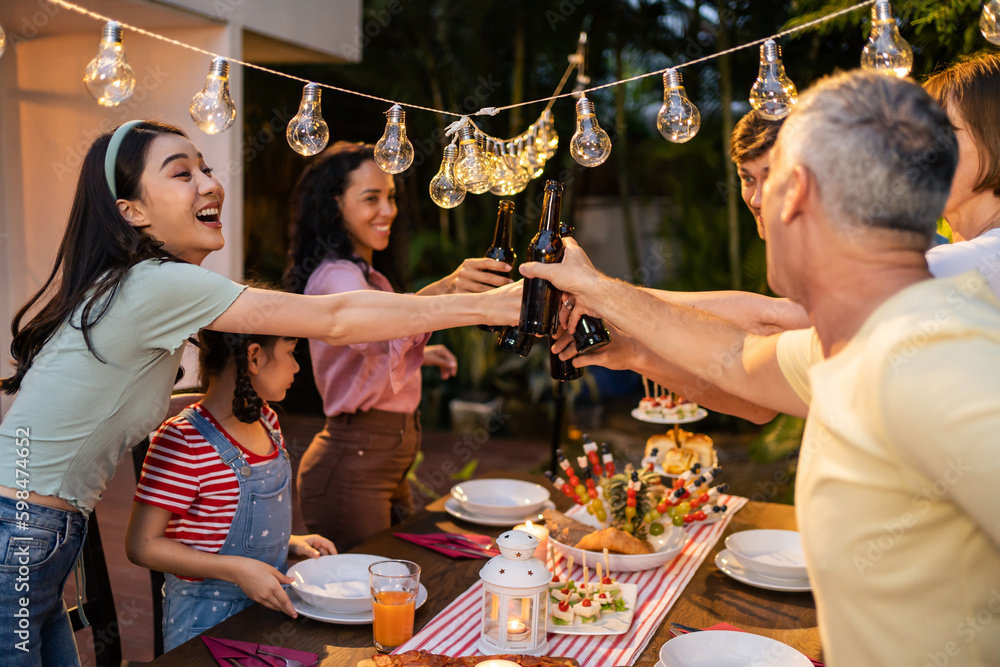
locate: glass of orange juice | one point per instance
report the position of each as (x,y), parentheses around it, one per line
(394,585)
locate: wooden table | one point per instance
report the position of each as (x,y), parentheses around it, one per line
(710,597)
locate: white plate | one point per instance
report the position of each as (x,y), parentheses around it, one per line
(452,507)
(698,415)
(666,546)
(771,553)
(500,498)
(317,614)
(726,561)
(608,624)
(725,648)
(337,583)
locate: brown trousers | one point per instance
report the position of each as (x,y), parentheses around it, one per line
(352,478)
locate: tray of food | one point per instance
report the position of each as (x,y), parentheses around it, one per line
(676,451)
(601,606)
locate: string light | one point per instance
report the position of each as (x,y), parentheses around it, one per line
(521,177)
(678,119)
(590,145)
(445,189)
(307,132)
(473,168)
(109,79)
(502,182)
(548,140)
(212,109)
(886,49)
(394,152)
(773,94)
(989,21)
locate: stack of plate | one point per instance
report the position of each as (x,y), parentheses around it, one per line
(770,559)
(335,588)
(498,502)
(724,648)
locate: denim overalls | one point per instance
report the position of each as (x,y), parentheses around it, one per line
(260,530)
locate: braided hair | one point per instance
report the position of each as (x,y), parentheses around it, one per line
(217,350)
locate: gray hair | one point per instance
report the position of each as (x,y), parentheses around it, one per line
(883,152)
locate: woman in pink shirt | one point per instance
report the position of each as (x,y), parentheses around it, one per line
(352,478)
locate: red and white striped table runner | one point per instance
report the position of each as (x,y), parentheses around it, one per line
(455,631)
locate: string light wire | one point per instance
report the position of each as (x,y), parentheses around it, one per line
(490,111)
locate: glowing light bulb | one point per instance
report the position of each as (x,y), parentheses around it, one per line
(678,119)
(521,176)
(394,152)
(445,189)
(473,170)
(3,40)
(773,94)
(532,160)
(989,21)
(503,173)
(547,136)
(886,49)
(212,109)
(485,146)
(109,79)
(307,132)
(590,145)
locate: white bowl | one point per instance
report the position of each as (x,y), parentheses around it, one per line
(772,553)
(724,648)
(336,583)
(500,498)
(666,547)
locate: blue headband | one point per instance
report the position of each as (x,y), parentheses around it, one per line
(111,157)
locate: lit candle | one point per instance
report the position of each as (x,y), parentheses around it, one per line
(497,663)
(541,533)
(516,629)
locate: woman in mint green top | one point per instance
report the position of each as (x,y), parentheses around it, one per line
(95,363)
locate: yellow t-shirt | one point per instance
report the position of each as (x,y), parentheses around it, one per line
(897,490)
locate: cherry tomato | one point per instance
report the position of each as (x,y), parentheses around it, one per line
(606,581)
(699,516)
(630,502)
(592,493)
(587,603)
(703,498)
(656,529)
(564,591)
(564,606)
(662,508)
(688,518)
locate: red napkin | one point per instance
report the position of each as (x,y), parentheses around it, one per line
(246,653)
(674,630)
(454,545)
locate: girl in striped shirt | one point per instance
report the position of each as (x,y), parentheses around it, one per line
(213,505)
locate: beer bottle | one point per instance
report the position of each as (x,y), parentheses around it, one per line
(540,300)
(561,370)
(590,334)
(501,249)
(511,340)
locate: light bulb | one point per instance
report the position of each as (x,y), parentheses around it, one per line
(548,140)
(886,49)
(531,160)
(445,189)
(521,176)
(678,119)
(473,168)
(212,109)
(773,94)
(109,78)
(307,132)
(989,21)
(485,146)
(502,182)
(394,152)
(3,40)
(590,145)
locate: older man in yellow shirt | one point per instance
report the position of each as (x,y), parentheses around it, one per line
(900,375)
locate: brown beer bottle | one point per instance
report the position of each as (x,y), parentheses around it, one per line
(539,299)
(501,249)
(561,370)
(590,334)
(511,340)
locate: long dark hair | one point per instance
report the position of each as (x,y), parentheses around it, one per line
(218,349)
(316,229)
(97,250)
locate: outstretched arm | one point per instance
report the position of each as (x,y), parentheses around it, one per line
(756,313)
(365,315)
(705,345)
(147,545)
(472,276)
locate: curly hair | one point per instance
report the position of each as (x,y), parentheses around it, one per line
(316,228)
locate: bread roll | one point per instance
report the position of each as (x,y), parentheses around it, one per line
(614,540)
(677,461)
(704,449)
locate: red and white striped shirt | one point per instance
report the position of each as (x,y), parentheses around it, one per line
(183,474)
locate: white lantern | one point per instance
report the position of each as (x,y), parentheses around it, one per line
(515,598)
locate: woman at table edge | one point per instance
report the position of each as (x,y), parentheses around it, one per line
(95,364)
